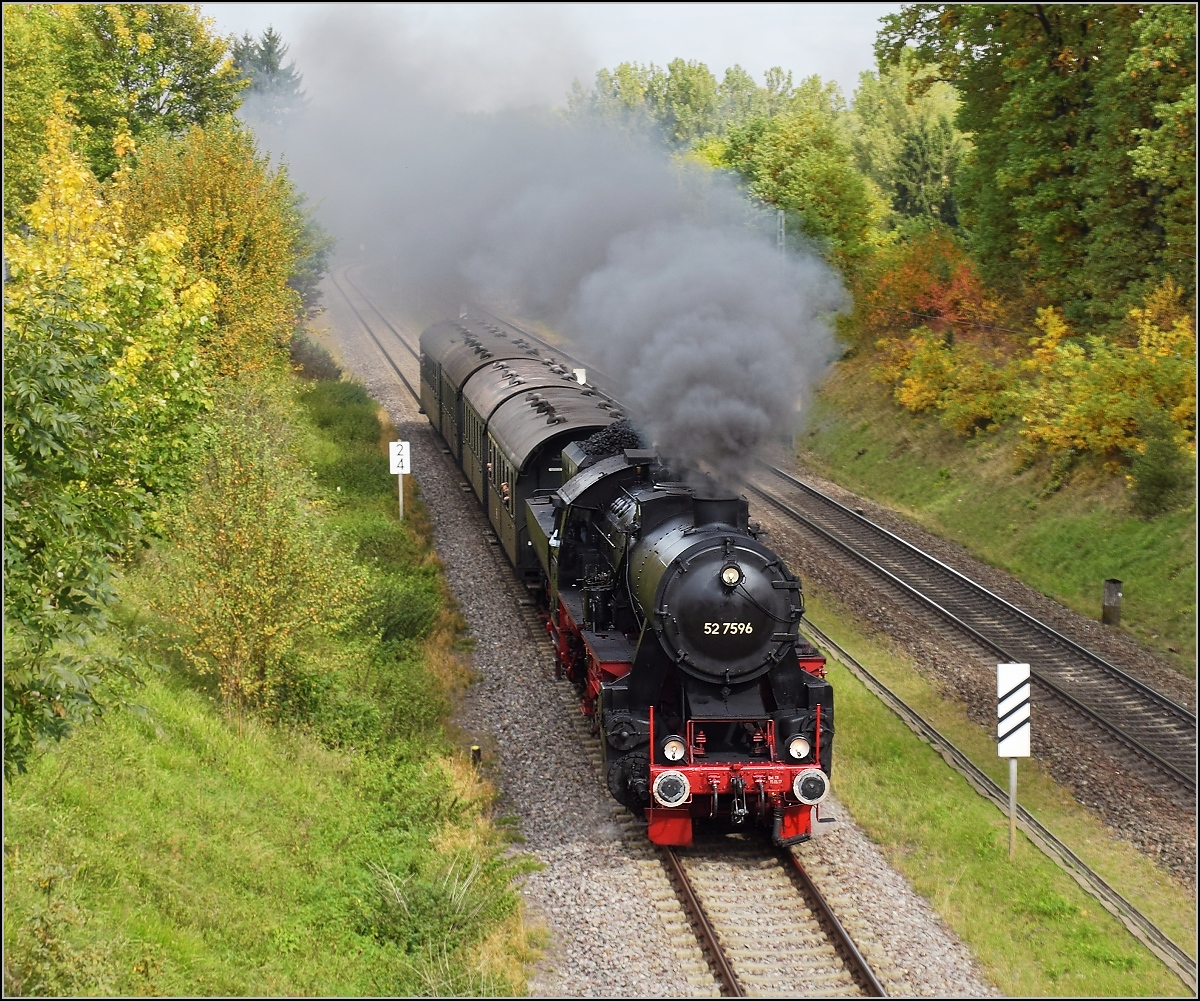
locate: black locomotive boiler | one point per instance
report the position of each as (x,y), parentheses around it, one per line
(676,623)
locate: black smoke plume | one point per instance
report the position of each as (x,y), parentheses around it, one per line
(441,165)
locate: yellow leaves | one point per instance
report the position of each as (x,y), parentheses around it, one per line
(1072,393)
(1097,395)
(239,214)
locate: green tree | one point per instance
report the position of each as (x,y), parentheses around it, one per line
(1050,193)
(630,95)
(137,68)
(905,141)
(689,107)
(33,75)
(802,162)
(246,231)
(275,89)
(739,98)
(1163,61)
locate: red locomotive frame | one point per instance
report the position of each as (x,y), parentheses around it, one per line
(763,784)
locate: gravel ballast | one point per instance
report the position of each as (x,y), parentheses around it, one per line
(613,925)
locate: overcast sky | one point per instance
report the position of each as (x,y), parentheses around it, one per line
(572,41)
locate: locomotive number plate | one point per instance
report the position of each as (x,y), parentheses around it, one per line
(722,628)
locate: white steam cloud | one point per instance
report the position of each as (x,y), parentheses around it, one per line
(660,272)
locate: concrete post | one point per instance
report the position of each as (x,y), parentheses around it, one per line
(1111,613)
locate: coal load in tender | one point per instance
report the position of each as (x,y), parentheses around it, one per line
(613,439)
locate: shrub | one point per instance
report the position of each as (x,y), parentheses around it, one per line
(251,574)
(311,360)
(1094,394)
(927,280)
(1160,472)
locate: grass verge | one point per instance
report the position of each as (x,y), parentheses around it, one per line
(1033,930)
(1062,538)
(333,842)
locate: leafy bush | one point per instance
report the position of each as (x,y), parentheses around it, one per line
(250,573)
(926,280)
(103,393)
(1095,394)
(1113,399)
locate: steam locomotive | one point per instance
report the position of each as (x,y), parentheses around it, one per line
(677,625)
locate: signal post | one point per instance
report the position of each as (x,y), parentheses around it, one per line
(1012,732)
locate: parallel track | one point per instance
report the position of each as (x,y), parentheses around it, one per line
(1176,959)
(1145,720)
(1141,927)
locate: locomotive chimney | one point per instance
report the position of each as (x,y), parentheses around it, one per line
(719,510)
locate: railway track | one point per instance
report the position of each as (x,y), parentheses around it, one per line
(704,882)
(763,925)
(761,922)
(1141,927)
(1147,722)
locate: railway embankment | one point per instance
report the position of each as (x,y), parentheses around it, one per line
(296,822)
(1062,536)
(1028,922)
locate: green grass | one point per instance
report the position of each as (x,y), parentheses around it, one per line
(1033,930)
(1063,542)
(342,849)
(188,854)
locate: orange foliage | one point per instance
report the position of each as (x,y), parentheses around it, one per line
(928,281)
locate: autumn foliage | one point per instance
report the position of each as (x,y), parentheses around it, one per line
(1068,393)
(926,281)
(244,224)
(104,387)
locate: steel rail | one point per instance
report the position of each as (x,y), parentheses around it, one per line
(1132,742)
(371,333)
(1140,926)
(1024,617)
(860,969)
(730,984)
(375,309)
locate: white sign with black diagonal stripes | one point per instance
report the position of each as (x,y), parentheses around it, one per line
(1012,710)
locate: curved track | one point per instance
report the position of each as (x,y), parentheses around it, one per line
(1141,927)
(1160,731)
(760,920)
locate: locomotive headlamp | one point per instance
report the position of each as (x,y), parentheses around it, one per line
(674,749)
(671,789)
(799,747)
(731,575)
(811,786)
